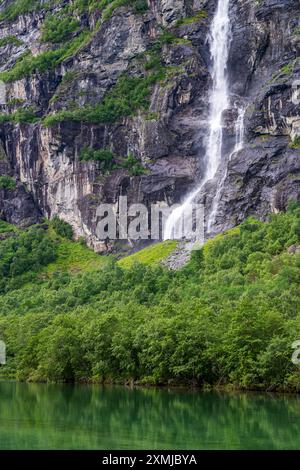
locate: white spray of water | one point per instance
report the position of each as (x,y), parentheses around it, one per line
(239,143)
(239,130)
(219,102)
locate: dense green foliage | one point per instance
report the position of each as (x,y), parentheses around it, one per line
(22,255)
(57,29)
(109,6)
(19,7)
(62,228)
(104,157)
(10,40)
(7,182)
(229,317)
(133,166)
(28,64)
(22,115)
(6,227)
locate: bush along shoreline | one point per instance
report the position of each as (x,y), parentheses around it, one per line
(228,319)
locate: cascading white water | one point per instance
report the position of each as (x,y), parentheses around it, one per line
(239,143)
(219,102)
(239,130)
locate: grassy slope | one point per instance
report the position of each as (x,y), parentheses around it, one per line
(152,255)
(74,257)
(5,227)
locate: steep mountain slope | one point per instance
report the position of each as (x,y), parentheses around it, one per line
(111,97)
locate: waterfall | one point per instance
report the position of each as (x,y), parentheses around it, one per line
(219,102)
(239,143)
(239,130)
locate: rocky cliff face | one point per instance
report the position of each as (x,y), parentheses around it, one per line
(164,48)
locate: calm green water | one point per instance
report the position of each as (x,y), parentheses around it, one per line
(90,417)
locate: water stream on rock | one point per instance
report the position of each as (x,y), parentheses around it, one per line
(219,102)
(239,143)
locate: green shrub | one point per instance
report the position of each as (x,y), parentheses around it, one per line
(68,76)
(7,182)
(25,115)
(27,64)
(47,60)
(104,157)
(140,6)
(10,40)
(200,15)
(133,166)
(62,228)
(124,99)
(22,115)
(6,227)
(109,6)
(29,251)
(296,143)
(59,29)
(288,68)
(20,7)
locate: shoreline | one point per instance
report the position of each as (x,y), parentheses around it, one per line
(228,389)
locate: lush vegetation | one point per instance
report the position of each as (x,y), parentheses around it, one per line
(109,6)
(295,144)
(228,317)
(22,255)
(104,157)
(107,161)
(28,64)
(22,115)
(7,182)
(150,256)
(124,99)
(10,40)
(130,94)
(200,15)
(133,166)
(62,228)
(57,29)
(42,250)
(20,7)
(6,227)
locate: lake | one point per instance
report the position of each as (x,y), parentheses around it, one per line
(37,416)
